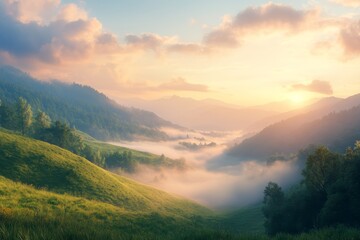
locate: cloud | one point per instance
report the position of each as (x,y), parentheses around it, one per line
(180,84)
(25,11)
(148,41)
(188,48)
(317,86)
(157,43)
(71,12)
(266,18)
(70,36)
(348,3)
(350,39)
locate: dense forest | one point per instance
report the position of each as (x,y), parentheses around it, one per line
(81,107)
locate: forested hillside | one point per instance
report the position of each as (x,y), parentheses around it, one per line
(81,107)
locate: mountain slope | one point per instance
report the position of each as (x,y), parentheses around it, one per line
(81,106)
(308,113)
(29,213)
(336,130)
(46,166)
(205,114)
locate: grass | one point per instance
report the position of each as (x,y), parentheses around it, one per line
(46,166)
(248,220)
(34,213)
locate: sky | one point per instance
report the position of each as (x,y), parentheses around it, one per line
(242,52)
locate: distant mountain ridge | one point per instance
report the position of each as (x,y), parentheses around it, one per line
(318,109)
(336,124)
(81,106)
(207,114)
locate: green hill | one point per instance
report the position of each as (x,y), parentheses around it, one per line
(46,166)
(29,213)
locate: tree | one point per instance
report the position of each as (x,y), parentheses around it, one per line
(41,125)
(93,155)
(272,209)
(123,160)
(7,117)
(42,120)
(321,170)
(24,115)
(62,135)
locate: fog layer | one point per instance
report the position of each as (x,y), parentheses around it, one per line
(218,187)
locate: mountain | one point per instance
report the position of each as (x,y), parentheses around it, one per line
(208,114)
(81,106)
(337,130)
(318,108)
(282,106)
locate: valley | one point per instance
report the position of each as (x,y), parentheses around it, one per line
(179,120)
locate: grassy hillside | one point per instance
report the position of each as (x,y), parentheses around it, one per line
(46,166)
(29,213)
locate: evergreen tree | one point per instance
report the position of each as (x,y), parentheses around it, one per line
(24,115)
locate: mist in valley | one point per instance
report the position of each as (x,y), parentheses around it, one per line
(211,177)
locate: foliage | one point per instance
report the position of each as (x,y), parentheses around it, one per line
(123,160)
(273,203)
(328,196)
(24,115)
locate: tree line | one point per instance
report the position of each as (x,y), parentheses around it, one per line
(20,117)
(329,194)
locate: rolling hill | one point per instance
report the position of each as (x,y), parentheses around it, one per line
(46,166)
(81,106)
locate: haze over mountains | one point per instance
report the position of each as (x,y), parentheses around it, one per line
(208,114)
(82,107)
(332,122)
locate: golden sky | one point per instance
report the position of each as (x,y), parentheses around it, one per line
(260,52)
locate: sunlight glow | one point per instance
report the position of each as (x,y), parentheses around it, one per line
(297,98)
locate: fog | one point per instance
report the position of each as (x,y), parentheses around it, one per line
(206,179)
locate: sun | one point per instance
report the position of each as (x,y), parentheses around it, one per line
(296,98)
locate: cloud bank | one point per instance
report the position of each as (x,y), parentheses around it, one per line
(317,86)
(350,39)
(267,18)
(70,36)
